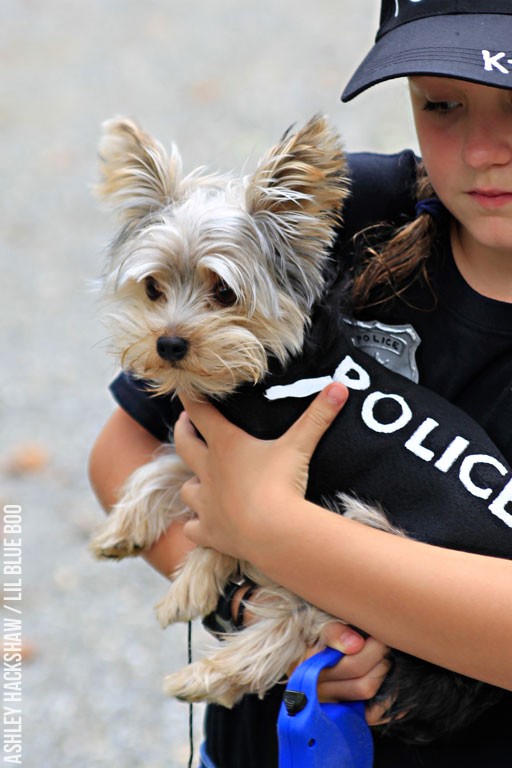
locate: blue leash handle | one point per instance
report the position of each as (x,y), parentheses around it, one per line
(314,735)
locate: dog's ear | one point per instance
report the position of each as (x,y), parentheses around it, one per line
(137,174)
(305,172)
(296,196)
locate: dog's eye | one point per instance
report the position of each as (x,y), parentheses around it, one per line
(153,291)
(223,294)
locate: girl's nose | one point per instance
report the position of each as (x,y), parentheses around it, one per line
(487,143)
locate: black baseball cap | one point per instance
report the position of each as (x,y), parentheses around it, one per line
(464,39)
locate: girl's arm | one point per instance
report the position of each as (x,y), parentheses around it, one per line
(122,446)
(450,608)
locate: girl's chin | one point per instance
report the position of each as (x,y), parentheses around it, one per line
(489,232)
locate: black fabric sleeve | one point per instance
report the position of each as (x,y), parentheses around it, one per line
(156,413)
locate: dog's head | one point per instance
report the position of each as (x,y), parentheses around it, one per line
(209,275)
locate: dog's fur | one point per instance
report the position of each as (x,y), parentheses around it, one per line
(208,278)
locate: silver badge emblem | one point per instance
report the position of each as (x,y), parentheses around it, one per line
(394,346)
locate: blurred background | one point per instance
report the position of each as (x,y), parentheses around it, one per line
(223,79)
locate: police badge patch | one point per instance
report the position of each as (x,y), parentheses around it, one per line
(394,346)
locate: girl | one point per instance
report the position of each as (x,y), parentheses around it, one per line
(444,273)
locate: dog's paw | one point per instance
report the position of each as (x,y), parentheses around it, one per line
(171,610)
(114,543)
(122,534)
(183,603)
(114,550)
(199,683)
(168,612)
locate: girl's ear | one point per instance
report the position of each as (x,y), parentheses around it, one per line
(138,176)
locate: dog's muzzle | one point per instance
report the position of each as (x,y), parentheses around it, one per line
(172,348)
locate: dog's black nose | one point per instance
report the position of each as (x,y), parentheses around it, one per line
(172,348)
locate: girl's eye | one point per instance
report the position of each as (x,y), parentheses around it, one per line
(442,107)
(223,294)
(153,290)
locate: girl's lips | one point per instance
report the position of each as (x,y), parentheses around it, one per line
(490,198)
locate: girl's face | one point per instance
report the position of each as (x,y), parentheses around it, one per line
(465,136)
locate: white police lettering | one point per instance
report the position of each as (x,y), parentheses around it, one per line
(355,377)
(301,388)
(351,374)
(467,467)
(348,373)
(368,413)
(452,453)
(397,6)
(500,502)
(415,442)
(494,61)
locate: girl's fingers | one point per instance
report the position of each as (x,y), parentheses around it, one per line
(342,637)
(189,493)
(230,466)
(359,675)
(355,689)
(208,420)
(189,446)
(361,663)
(307,431)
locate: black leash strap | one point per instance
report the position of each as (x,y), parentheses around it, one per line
(190,706)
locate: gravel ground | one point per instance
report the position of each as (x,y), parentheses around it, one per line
(223,79)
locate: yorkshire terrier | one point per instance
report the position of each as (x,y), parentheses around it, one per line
(212,281)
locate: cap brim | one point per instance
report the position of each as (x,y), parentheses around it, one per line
(455,48)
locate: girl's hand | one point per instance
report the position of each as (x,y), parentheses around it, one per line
(240,480)
(359,674)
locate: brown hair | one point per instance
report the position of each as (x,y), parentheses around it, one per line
(389,268)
